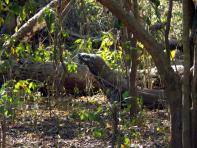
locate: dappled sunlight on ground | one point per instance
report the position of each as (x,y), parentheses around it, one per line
(84,122)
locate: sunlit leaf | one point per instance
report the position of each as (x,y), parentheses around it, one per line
(65,34)
(7,1)
(98,133)
(83,116)
(172,54)
(139,44)
(72,67)
(158,129)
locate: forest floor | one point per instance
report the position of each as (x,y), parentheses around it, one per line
(84,122)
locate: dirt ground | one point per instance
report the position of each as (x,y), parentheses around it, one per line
(72,123)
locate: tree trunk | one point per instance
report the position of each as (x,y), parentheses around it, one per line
(194,99)
(131,63)
(167,31)
(186,120)
(115,123)
(194,104)
(174,97)
(133,66)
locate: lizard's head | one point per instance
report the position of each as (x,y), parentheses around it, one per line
(94,62)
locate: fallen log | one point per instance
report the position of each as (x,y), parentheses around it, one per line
(83,80)
(80,81)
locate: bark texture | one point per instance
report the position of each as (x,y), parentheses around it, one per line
(186,135)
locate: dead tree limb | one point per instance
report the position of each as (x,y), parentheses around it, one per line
(35,23)
(81,80)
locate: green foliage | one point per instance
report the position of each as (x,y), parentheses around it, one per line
(83,45)
(91,116)
(7,2)
(72,67)
(87,115)
(49,17)
(113,58)
(99,133)
(65,34)
(91,10)
(90,18)
(125,94)
(172,54)
(107,40)
(41,55)
(126,142)
(22,10)
(156,12)
(13,94)
(22,50)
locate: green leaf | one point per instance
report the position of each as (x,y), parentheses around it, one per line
(65,34)
(83,116)
(7,2)
(99,110)
(72,67)
(32,85)
(172,54)
(6,113)
(78,41)
(17,86)
(49,17)
(126,141)
(91,116)
(98,133)
(125,94)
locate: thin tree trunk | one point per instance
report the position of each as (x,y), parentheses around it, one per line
(193,38)
(115,123)
(174,97)
(3,127)
(133,66)
(186,135)
(167,31)
(194,99)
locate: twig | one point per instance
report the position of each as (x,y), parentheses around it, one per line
(167,31)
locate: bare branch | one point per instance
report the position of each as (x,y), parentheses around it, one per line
(34,24)
(167,31)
